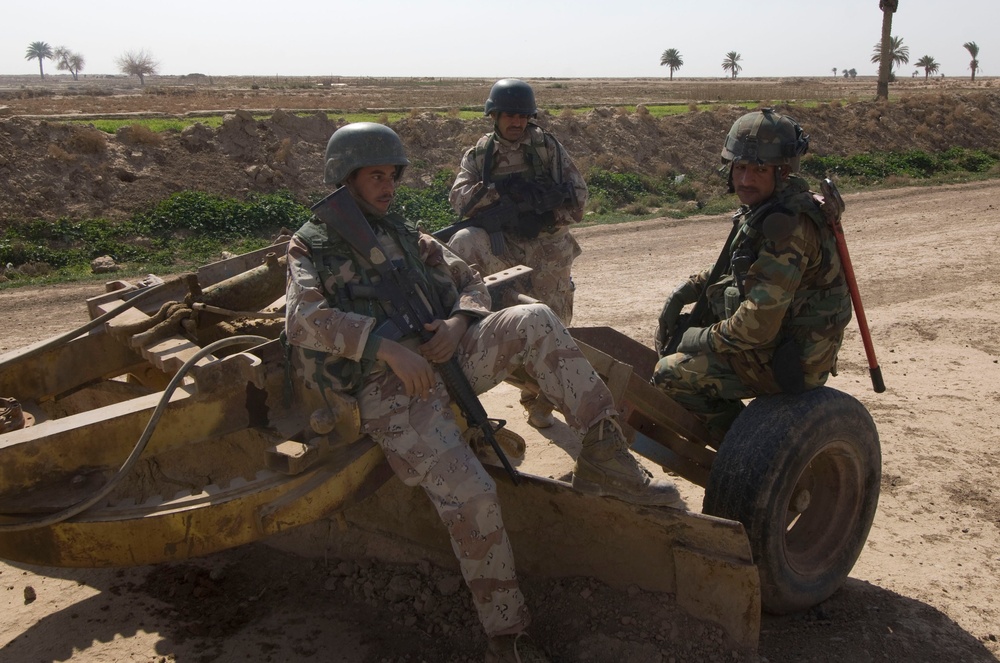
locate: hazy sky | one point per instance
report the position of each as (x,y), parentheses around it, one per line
(544,38)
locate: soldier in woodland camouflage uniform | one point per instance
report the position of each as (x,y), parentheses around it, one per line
(403,402)
(516,155)
(778,315)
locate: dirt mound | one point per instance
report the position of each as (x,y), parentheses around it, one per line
(53,169)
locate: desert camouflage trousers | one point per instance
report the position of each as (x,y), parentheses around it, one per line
(550,257)
(424,446)
(713,386)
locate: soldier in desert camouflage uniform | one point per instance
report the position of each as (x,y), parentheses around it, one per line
(403,402)
(778,315)
(515,156)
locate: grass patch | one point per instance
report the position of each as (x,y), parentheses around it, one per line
(873,168)
(186,230)
(154,124)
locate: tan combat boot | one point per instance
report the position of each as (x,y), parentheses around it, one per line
(514,649)
(539,409)
(606,467)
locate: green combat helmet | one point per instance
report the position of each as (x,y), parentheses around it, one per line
(361,144)
(511,95)
(766,138)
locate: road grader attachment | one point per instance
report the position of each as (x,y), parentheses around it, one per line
(168,428)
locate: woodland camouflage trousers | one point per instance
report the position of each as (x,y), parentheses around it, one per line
(713,386)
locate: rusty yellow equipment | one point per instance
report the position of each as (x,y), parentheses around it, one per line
(166,429)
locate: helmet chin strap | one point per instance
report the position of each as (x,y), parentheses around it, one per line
(781,174)
(365,206)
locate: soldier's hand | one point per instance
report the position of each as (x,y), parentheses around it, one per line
(447,335)
(546,198)
(430,250)
(413,370)
(530,224)
(686,293)
(668,320)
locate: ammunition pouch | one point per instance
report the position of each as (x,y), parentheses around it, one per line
(732,298)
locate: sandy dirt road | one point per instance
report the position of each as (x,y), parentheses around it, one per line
(926,588)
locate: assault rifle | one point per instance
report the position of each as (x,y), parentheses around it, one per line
(523,212)
(408,305)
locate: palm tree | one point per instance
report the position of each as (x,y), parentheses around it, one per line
(731,63)
(929,66)
(888,8)
(671,58)
(974,52)
(38,50)
(897,53)
(835,70)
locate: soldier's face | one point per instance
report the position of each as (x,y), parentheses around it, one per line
(754,183)
(512,125)
(376,185)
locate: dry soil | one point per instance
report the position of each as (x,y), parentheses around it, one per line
(926,587)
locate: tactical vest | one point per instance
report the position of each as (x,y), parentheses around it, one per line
(820,307)
(328,254)
(536,153)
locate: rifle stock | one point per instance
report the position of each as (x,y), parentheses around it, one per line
(408,305)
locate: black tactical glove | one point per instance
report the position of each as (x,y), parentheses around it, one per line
(544,198)
(529,224)
(685,294)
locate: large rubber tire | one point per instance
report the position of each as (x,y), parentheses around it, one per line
(802,474)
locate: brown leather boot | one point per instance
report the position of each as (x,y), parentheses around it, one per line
(605,466)
(514,649)
(539,409)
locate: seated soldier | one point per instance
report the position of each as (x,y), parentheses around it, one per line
(404,404)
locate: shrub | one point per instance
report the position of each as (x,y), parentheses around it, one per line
(140,134)
(877,166)
(428,205)
(617,189)
(88,140)
(208,214)
(59,154)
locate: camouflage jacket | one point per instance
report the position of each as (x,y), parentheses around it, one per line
(335,333)
(786,280)
(536,155)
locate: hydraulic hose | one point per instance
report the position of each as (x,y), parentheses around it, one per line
(140,446)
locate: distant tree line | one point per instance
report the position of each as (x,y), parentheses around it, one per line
(889,52)
(131,63)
